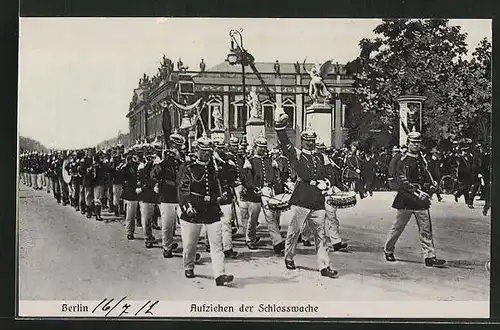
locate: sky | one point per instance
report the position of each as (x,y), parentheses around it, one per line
(77,75)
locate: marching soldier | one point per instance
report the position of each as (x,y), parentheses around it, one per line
(147,199)
(199,194)
(464,168)
(129,171)
(307,200)
(435,165)
(76,181)
(98,182)
(333,239)
(238,156)
(260,178)
(164,175)
(354,164)
(411,179)
(87,183)
(62,183)
(117,183)
(227,173)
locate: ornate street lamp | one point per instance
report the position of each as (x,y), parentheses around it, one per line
(239,55)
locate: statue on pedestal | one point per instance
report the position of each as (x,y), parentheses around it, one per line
(255,106)
(218,119)
(317,87)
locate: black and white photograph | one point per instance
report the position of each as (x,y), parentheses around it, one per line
(254,167)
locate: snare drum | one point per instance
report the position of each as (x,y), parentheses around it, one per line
(342,200)
(279,203)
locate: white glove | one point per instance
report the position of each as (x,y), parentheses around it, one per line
(321,185)
(358,171)
(479,175)
(156,189)
(190,211)
(138,190)
(230,162)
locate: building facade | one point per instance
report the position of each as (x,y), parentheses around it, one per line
(222,87)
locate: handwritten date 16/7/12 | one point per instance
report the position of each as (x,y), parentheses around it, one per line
(118,308)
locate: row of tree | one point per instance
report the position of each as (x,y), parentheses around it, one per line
(426,57)
(27,144)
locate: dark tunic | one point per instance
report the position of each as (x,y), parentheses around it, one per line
(129,172)
(258,172)
(410,176)
(197,186)
(146,183)
(310,167)
(164,175)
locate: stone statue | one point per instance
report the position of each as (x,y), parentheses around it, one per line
(218,120)
(317,87)
(255,106)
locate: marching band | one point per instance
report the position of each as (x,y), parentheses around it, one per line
(216,191)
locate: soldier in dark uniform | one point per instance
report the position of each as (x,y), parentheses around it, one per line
(465,179)
(76,181)
(435,166)
(164,174)
(477,159)
(333,239)
(62,183)
(368,168)
(98,184)
(56,188)
(411,199)
(260,178)
(129,170)
(391,171)
(198,195)
(227,172)
(147,198)
(87,183)
(241,206)
(354,165)
(308,199)
(117,183)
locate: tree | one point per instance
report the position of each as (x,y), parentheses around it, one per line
(422,57)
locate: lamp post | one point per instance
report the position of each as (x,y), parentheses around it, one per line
(239,55)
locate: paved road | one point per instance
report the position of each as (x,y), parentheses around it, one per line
(65,256)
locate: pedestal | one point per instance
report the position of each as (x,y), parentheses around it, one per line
(410,115)
(319,116)
(255,128)
(218,134)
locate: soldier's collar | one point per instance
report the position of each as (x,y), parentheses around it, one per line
(307,152)
(411,155)
(199,162)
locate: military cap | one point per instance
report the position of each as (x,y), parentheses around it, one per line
(177,138)
(218,142)
(308,134)
(320,145)
(243,141)
(261,141)
(414,137)
(205,143)
(233,141)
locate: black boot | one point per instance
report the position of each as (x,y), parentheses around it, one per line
(89,211)
(117,211)
(83,208)
(98,212)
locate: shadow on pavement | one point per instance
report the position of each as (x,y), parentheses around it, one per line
(241,282)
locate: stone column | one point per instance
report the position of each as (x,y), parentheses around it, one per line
(319,117)
(299,108)
(410,115)
(225,110)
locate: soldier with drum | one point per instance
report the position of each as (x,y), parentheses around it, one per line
(308,198)
(260,178)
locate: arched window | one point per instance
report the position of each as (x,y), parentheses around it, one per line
(288,106)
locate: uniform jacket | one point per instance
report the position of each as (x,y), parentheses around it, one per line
(197,187)
(130,178)
(146,183)
(227,171)
(410,176)
(258,172)
(310,167)
(98,174)
(164,175)
(368,169)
